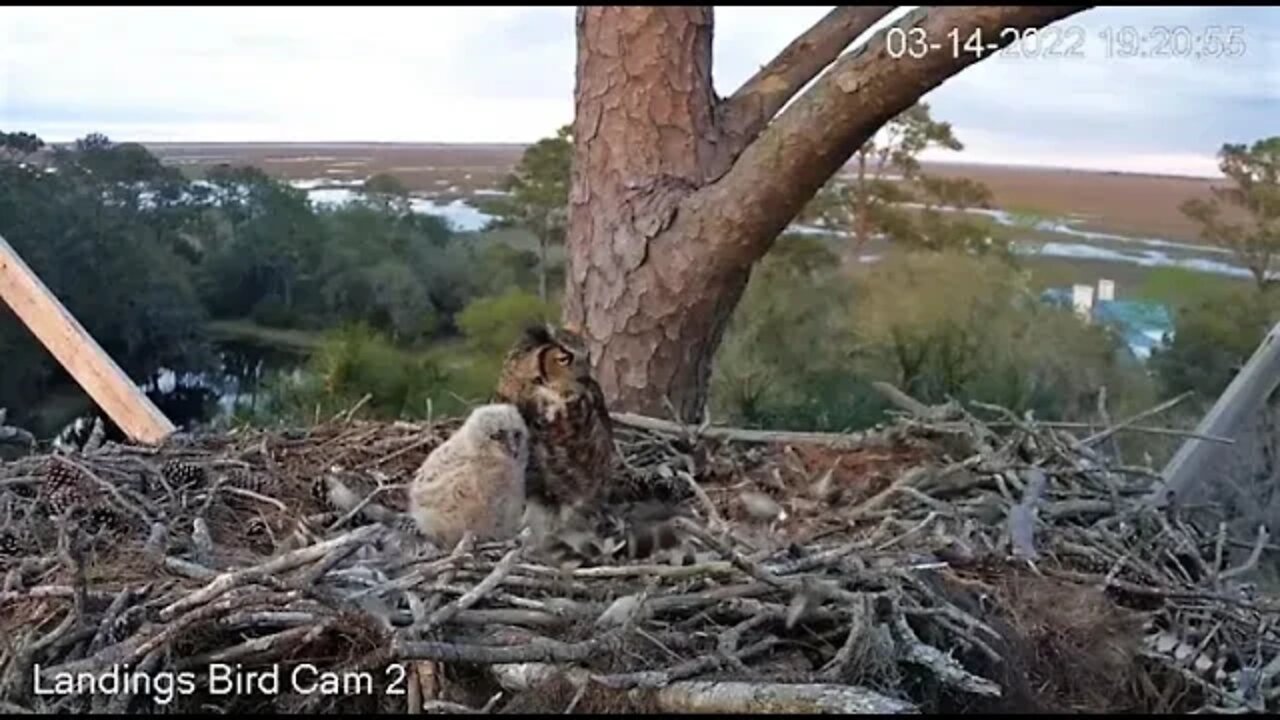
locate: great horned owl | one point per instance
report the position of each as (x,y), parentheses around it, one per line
(475,480)
(547,376)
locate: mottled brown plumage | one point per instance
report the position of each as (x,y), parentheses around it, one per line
(547,376)
(580,506)
(621,532)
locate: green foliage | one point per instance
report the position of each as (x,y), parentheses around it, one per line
(540,185)
(1028,217)
(1179,287)
(492,324)
(888,175)
(539,195)
(381,267)
(353,364)
(1213,337)
(1218,327)
(1245,218)
(257,244)
(145,258)
(19,145)
(804,346)
(110,257)
(385,192)
(507,267)
(385,184)
(785,358)
(953,325)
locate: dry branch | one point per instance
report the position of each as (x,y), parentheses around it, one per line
(749,698)
(840,440)
(906,576)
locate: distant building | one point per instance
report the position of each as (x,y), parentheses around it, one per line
(1142,325)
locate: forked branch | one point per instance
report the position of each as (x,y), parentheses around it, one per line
(808,142)
(749,110)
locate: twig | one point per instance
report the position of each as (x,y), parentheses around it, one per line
(904,480)
(913,406)
(1252,561)
(285,639)
(351,412)
(495,578)
(534,650)
(243,492)
(110,488)
(1145,429)
(845,440)
(444,706)
(464,548)
(226,581)
(1102,435)
(941,664)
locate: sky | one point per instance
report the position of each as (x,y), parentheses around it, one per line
(505,74)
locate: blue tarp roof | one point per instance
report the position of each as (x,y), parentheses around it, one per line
(1143,325)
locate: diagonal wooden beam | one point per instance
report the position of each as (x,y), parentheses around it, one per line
(1198,461)
(77,351)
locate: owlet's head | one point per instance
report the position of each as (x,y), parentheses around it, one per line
(499,425)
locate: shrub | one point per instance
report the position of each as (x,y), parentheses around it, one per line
(809,338)
(1213,337)
(492,324)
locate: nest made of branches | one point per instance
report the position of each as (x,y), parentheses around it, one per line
(933,564)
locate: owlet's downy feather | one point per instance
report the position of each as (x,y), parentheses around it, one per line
(474,481)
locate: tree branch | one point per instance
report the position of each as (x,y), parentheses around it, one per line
(749,110)
(800,150)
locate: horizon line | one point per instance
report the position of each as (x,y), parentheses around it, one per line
(509,144)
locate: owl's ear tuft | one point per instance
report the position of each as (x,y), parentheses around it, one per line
(536,335)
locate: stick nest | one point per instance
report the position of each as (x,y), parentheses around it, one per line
(934,564)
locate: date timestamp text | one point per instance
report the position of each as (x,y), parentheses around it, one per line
(1071,41)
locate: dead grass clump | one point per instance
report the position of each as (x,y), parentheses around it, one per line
(1077,649)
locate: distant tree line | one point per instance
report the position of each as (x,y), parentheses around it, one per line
(413,317)
(144,257)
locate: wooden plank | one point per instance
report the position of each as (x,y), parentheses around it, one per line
(77,351)
(1241,401)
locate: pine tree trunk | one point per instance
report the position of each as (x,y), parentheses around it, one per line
(676,194)
(637,155)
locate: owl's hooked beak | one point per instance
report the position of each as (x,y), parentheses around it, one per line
(513,441)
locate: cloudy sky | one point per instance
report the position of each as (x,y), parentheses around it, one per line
(492,74)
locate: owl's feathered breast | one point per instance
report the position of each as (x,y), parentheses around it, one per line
(571,442)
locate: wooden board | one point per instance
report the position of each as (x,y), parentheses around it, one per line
(1240,402)
(73,347)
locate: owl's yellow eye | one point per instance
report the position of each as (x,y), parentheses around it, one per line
(564,359)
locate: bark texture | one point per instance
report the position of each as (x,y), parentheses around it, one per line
(676,194)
